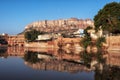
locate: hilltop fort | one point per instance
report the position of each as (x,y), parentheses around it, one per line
(60,25)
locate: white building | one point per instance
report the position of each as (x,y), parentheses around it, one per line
(79,33)
(44,37)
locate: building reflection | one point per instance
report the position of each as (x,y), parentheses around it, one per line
(58,53)
(106,65)
(61,61)
(15,51)
(48,62)
(11,51)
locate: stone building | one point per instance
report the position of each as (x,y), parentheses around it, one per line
(16,40)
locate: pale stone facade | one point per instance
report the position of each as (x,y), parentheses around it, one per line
(44,37)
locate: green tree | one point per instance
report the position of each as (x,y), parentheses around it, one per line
(99,41)
(85,31)
(109,18)
(32,35)
(86,41)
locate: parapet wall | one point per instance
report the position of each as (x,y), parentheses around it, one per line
(68,43)
(113,42)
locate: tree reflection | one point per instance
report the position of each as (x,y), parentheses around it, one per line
(3,52)
(88,58)
(102,70)
(31,56)
(100,58)
(108,73)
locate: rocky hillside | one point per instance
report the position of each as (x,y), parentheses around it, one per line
(60,25)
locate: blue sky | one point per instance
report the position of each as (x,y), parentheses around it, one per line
(16,14)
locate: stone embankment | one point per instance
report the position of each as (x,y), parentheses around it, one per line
(65,43)
(113,42)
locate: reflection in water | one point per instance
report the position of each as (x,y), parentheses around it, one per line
(106,65)
(31,57)
(11,51)
(49,62)
(88,62)
(92,59)
(3,52)
(108,73)
(102,70)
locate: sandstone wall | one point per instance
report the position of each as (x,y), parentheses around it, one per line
(113,42)
(69,44)
(113,58)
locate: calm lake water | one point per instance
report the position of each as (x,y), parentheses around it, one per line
(48,64)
